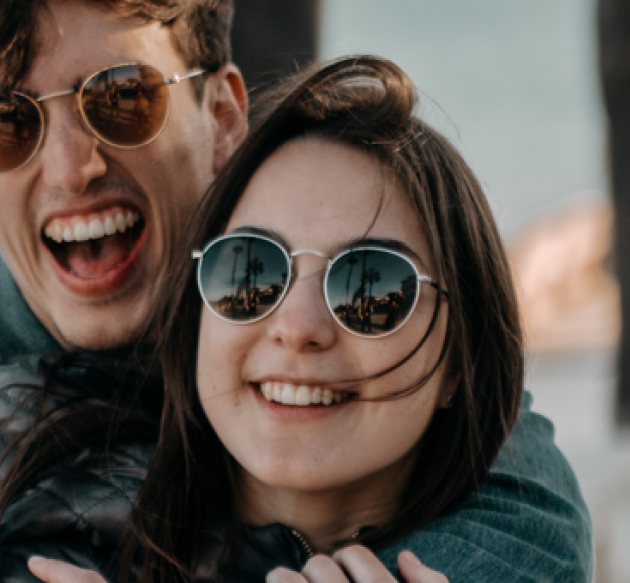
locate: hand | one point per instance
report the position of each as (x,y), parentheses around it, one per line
(356,564)
(53,571)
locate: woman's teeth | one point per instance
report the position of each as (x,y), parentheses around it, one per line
(300,395)
(92,228)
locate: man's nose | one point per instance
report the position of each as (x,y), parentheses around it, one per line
(69,155)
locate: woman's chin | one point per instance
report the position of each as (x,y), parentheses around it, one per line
(300,474)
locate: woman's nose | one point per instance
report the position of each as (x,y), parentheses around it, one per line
(302,321)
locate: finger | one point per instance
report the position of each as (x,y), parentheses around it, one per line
(362,565)
(323,569)
(282,575)
(413,571)
(53,571)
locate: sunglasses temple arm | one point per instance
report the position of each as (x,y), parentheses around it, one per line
(433,285)
(177,78)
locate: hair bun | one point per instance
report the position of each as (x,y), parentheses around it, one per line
(360,86)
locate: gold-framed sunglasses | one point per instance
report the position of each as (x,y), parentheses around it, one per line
(125,106)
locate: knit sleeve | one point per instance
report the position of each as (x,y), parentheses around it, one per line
(527,522)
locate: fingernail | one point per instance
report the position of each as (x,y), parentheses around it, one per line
(410,558)
(36,559)
(275,576)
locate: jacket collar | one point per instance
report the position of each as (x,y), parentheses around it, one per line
(20,330)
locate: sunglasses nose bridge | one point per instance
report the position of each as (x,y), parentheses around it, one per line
(314,252)
(75,108)
(309,252)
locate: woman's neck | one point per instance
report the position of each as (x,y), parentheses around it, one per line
(325,518)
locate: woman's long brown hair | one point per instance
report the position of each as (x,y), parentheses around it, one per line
(366,103)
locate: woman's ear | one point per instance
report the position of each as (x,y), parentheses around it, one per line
(226,97)
(447,393)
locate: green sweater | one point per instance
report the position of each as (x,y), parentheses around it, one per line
(526,523)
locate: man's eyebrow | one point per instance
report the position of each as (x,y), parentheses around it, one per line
(7,90)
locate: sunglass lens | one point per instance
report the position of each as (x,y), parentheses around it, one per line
(20,130)
(126,105)
(371,292)
(243,278)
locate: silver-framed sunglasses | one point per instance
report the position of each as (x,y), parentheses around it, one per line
(370,291)
(124,105)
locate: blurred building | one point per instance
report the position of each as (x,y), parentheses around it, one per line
(271,38)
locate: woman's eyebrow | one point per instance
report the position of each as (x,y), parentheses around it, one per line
(393,244)
(269,233)
(334,250)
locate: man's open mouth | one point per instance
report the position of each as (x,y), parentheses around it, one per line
(90,247)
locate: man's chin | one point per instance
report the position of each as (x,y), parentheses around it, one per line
(103,332)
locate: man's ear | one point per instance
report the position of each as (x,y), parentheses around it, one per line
(228,105)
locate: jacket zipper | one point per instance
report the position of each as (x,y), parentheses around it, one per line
(304,544)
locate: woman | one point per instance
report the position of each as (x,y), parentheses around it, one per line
(398,423)
(291,427)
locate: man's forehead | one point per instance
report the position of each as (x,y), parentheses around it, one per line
(75,39)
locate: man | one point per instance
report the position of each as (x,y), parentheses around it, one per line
(95,293)
(88,229)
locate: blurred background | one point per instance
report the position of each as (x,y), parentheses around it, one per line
(525,90)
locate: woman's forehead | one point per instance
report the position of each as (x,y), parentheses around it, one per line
(318,193)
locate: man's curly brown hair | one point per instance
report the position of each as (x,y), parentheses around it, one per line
(200,30)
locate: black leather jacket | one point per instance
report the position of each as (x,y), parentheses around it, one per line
(77,511)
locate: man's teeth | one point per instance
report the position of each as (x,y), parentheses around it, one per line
(94,228)
(300,395)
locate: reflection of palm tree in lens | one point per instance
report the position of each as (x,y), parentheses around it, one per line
(371,277)
(255,267)
(352,261)
(236,249)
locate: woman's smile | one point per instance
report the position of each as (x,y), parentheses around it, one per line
(302,395)
(292,395)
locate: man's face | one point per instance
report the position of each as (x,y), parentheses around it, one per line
(96,293)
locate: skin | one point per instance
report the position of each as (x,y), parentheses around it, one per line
(74,174)
(325,474)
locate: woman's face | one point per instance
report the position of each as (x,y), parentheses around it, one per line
(321,195)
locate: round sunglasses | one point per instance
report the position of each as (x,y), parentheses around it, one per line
(125,106)
(370,291)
